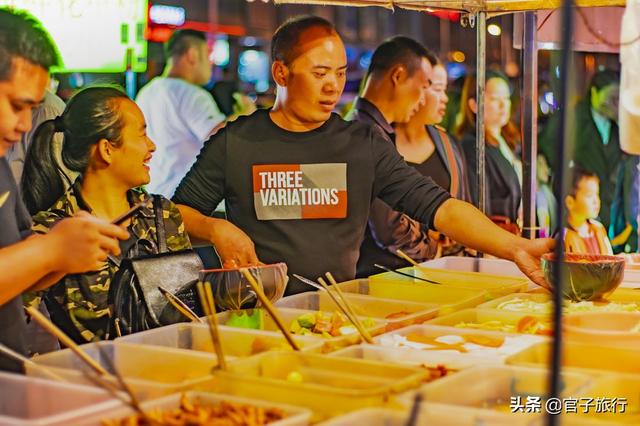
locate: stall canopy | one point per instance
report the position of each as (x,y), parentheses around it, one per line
(490,6)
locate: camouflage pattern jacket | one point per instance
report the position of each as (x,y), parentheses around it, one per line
(83,298)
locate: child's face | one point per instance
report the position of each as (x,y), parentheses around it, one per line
(586,202)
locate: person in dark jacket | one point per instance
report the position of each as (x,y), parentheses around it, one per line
(595,137)
(432,151)
(503,193)
(398,79)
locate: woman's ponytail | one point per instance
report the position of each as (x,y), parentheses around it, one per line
(41,182)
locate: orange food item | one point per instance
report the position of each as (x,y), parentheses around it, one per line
(397,315)
(492,342)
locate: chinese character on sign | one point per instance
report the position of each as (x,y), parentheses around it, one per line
(533,404)
(586,404)
(571,405)
(517,405)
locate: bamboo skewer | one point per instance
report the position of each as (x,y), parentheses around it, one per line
(353,318)
(60,335)
(209,307)
(384,268)
(270,309)
(334,287)
(179,305)
(102,374)
(26,361)
(403,255)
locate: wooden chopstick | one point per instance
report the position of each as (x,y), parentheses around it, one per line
(348,304)
(406,257)
(26,361)
(353,318)
(209,307)
(270,309)
(60,335)
(179,305)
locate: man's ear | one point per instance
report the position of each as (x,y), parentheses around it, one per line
(192,55)
(104,151)
(473,105)
(280,73)
(398,74)
(570,202)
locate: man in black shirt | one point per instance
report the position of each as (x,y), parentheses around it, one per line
(398,76)
(299,180)
(75,245)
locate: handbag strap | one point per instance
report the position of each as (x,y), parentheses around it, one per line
(451,159)
(159,220)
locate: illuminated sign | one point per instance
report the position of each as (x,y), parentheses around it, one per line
(93,36)
(167,15)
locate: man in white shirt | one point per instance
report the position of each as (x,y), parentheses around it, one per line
(180,114)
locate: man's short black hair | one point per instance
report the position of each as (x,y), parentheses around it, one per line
(181,41)
(604,78)
(22,36)
(400,50)
(285,39)
(578,174)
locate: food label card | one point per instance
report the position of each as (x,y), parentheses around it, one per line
(300,191)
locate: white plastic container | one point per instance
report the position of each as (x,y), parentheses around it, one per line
(490,389)
(26,401)
(236,342)
(473,264)
(402,356)
(490,347)
(151,372)
(295,416)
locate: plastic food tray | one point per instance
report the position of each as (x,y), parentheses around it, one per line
(367,306)
(495,285)
(290,315)
(236,342)
(490,388)
(295,416)
(149,371)
(516,343)
(415,358)
(590,356)
(473,264)
(429,414)
(449,298)
(483,316)
(619,296)
(614,386)
(329,386)
(26,401)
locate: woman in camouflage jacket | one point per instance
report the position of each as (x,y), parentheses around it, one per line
(105,141)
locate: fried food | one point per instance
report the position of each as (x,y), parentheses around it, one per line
(194,413)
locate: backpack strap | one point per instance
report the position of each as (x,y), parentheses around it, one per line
(159,221)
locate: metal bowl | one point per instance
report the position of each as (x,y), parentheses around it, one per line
(589,277)
(232,290)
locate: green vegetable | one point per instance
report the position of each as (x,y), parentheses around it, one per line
(307,321)
(251,319)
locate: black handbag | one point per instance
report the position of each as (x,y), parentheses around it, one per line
(134,298)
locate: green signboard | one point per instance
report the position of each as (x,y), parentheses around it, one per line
(93,35)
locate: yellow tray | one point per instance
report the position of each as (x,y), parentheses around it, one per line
(149,371)
(328,386)
(289,315)
(449,298)
(236,342)
(495,285)
(589,356)
(487,319)
(404,312)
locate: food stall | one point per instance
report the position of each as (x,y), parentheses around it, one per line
(472,345)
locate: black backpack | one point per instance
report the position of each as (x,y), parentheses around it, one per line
(135,301)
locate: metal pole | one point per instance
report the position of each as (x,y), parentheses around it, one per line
(561,173)
(481,65)
(529,121)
